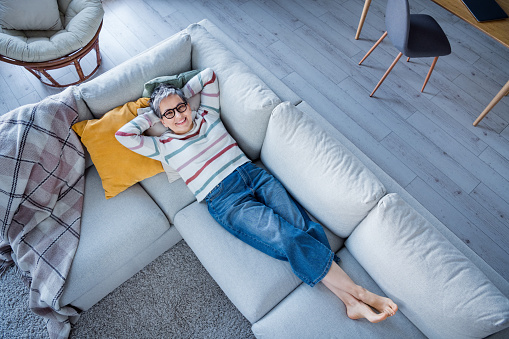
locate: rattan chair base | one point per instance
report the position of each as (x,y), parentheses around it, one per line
(74,58)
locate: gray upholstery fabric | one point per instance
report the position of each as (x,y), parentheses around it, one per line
(315,312)
(393,186)
(425,274)
(246,101)
(171,198)
(113,232)
(125,82)
(81,20)
(63,4)
(124,272)
(30,15)
(275,84)
(329,181)
(252,280)
(397,23)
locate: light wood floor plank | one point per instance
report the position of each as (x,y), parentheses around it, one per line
(492,203)
(469,208)
(16,79)
(8,101)
(297,43)
(164,8)
(279,12)
(467,160)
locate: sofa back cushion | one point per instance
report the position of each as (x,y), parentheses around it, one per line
(246,101)
(435,286)
(326,178)
(125,82)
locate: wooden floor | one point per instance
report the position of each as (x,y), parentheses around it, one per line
(425,141)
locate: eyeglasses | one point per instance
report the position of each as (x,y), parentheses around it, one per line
(170,113)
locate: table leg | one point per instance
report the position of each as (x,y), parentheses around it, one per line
(363,17)
(504,91)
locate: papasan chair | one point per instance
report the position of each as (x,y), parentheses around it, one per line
(43,35)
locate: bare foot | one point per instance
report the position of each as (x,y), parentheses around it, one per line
(358,310)
(381,304)
(358,299)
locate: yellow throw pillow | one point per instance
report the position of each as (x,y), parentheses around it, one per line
(118,167)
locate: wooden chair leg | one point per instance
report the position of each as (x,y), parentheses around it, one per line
(363,17)
(97,53)
(49,77)
(374,46)
(429,73)
(504,91)
(79,70)
(33,72)
(386,73)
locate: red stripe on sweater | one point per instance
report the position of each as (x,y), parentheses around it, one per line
(209,162)
(211,80)
(124,134)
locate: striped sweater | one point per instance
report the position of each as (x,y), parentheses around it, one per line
(205,155)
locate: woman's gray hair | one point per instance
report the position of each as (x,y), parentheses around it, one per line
(162,91)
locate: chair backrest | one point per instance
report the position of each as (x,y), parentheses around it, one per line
(397,23)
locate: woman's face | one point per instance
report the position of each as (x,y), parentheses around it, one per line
(181,123)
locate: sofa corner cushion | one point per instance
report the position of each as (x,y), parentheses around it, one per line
(328,180)
(126,82)
(442,292)
(113,232)
(171,197)
(246,101)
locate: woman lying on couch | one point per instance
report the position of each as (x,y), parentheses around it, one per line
(245,199)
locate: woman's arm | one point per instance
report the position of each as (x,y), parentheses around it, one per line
(130,135)
(207,85)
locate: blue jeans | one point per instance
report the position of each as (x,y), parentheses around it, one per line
(255,207)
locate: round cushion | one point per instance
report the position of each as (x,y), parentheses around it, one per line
(81,20)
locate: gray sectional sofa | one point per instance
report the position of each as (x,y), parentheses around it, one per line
(386,240)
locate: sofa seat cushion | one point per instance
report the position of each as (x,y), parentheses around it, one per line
(246,101)
(442,292)
(253,281)
(328,180)
(315,312)
(126,81)
(170,197)
(113,232)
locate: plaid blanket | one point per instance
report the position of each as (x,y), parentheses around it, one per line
(41,196)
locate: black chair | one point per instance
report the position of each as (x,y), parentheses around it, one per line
(414,35)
